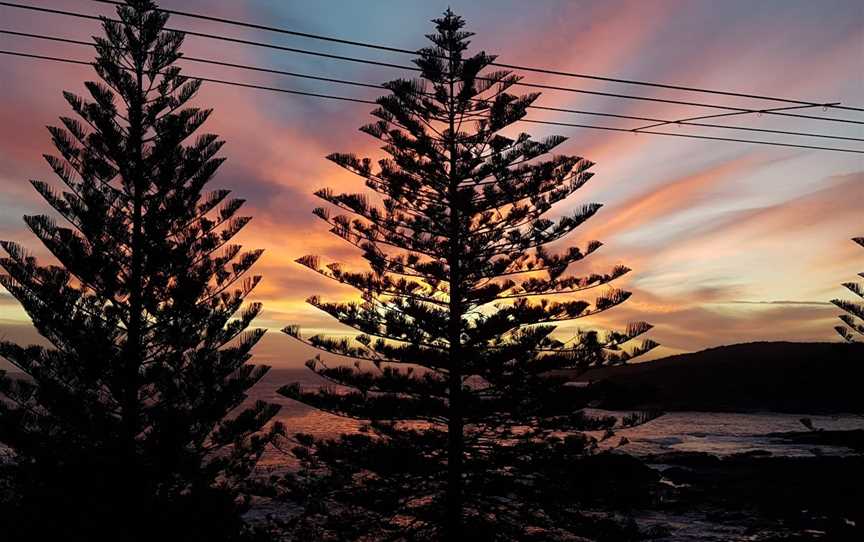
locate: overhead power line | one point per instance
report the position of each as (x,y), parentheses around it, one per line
(205,79)
(371,102)
(368,45)
(655,122)
(227,39)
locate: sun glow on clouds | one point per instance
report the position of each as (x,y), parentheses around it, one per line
(704,225)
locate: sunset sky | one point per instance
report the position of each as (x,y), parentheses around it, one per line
(728,242)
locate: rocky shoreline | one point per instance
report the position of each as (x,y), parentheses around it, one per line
(769,498)
(755,496)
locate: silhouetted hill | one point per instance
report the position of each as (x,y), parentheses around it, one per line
(773,376)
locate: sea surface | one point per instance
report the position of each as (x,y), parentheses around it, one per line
(717,433)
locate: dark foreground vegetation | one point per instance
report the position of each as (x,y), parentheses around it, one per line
(463,286)
(127,426)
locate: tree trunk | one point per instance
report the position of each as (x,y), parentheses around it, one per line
(134,336)
(455,424)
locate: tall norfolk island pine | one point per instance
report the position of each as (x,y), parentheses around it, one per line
(854,317)
(125,414)
(449,317)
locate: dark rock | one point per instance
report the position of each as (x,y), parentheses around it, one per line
(611,467)
(657,531)
(684,459)
(752,453)
(616,480)
(683,475)
(853,439)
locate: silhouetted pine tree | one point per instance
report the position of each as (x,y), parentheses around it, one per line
(854,317)
(121,427)
(453,356)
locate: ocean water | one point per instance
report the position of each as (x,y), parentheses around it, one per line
(724,434)
(721,434)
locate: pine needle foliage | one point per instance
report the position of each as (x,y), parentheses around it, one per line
(454,348)
(853,328)
(127,424)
